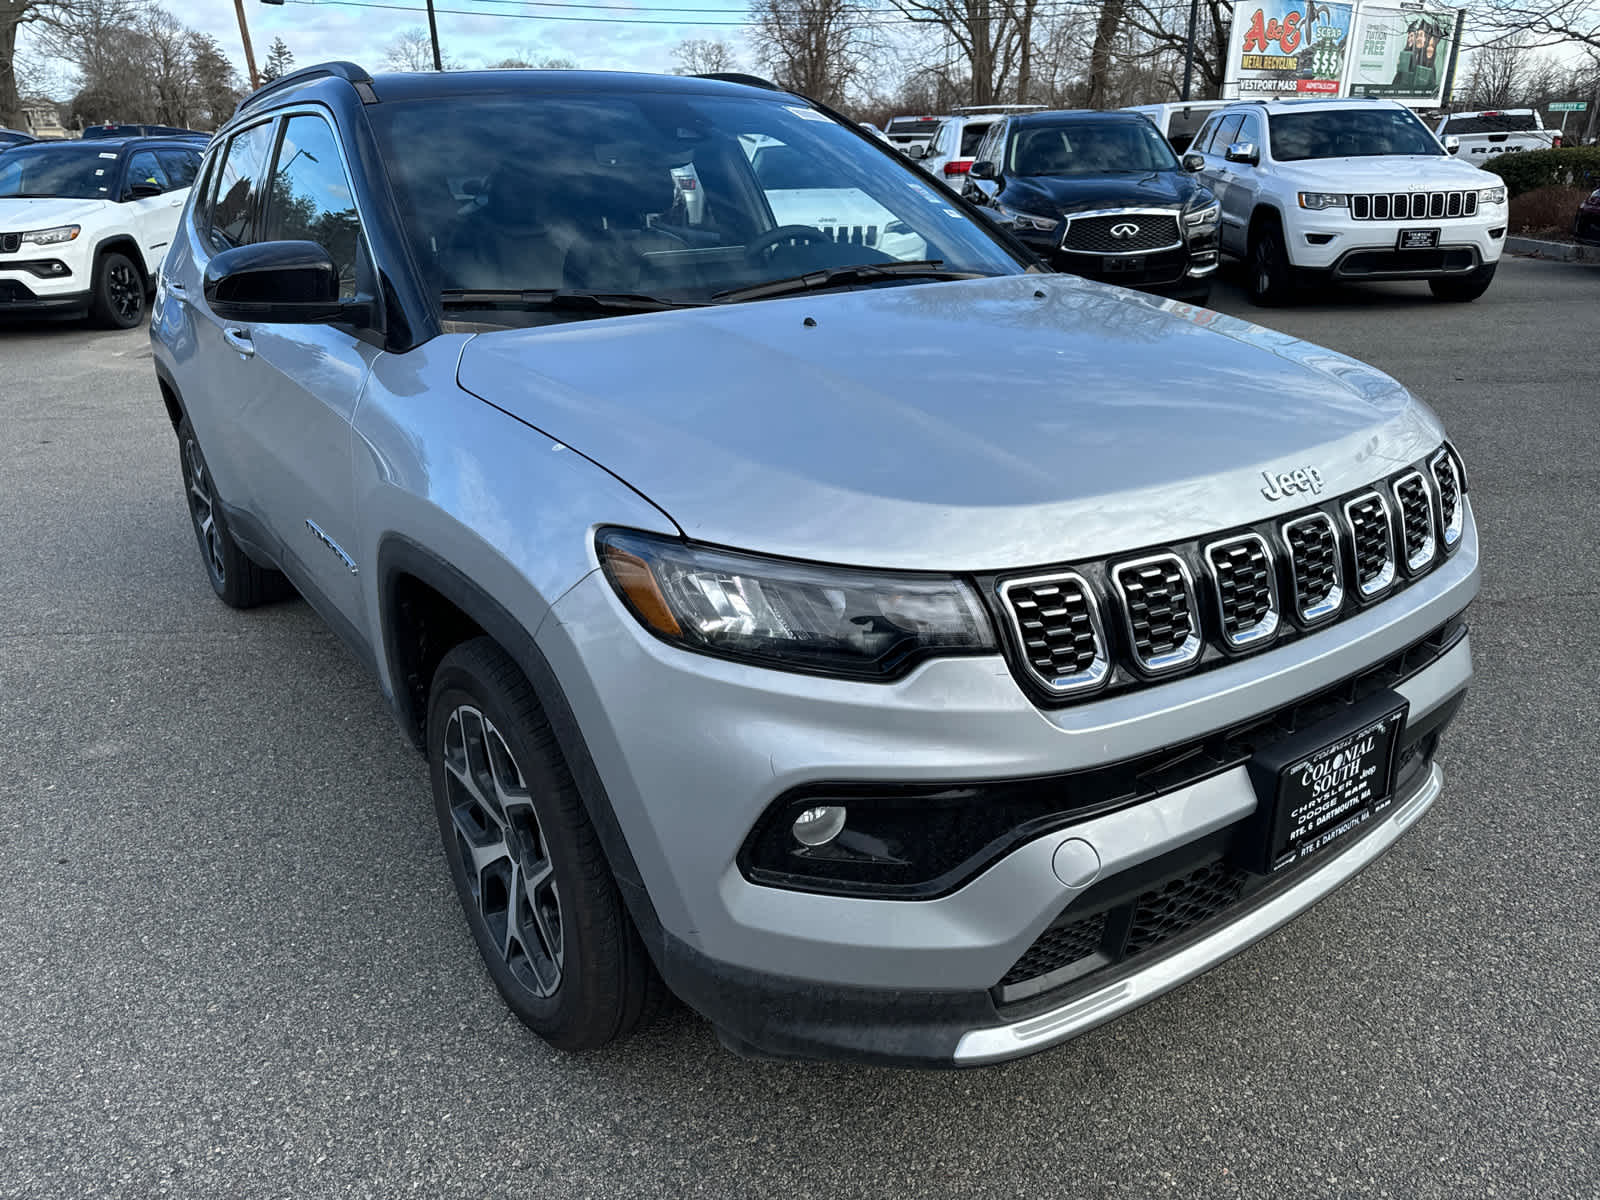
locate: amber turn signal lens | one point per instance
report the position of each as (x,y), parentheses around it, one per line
(634,579)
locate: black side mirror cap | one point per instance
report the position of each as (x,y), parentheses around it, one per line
(289,283)
(982,169)
(1194,162)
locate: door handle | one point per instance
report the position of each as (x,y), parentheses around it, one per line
(176,204)
(177,289)
(239,339)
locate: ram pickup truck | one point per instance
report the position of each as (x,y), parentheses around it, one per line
(1482,134)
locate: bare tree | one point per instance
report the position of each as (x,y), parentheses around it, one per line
(1498,72)
(703,56)
(14,14)
(168,61)
(818,48)
(992,35)
(1163,27)
(1545,22)
(411,50)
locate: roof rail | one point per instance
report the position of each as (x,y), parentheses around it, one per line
(740,77)
(348,71)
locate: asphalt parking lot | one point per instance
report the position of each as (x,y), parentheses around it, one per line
(232,962)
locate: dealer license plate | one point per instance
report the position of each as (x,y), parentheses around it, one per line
(1337,789)
(1123,265)
(1418,239)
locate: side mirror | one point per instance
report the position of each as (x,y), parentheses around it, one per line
(982,169)
(143,191)
(289,283)
(1452,144)
(1244,152)
(919,150)
(1194,162)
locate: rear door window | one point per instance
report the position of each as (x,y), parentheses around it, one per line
(238,194)
(181,166)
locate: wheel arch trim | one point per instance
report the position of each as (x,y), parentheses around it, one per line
(399,556)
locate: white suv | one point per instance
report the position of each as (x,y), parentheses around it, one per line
(84,225)
(954,148)
(1348,190)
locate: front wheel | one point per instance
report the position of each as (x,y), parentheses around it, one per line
(117,292)
(1463,289)
(537,891)
(1271,274)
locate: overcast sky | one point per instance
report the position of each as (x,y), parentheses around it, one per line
(318,30)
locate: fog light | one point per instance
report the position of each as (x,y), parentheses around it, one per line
(819,826)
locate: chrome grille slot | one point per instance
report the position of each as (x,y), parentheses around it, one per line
(1244,588)
(1452,512)
(1056,622)
(1159,612)
(1416,521)
(1371,543)
(1314,570)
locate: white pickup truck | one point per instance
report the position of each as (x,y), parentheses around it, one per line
(1482,134)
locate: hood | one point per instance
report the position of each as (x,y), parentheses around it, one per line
(970,425)
(1388,174)
(1077,193)
(19,215)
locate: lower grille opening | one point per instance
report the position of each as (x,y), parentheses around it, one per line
(1180,904)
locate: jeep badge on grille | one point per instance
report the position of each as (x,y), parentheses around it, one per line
(1290,483)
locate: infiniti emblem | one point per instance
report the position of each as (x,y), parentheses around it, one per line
(1125,231)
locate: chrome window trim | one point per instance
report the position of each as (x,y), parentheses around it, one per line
(1176,660)
(1334,601)
(1386,577)
(1415,565)
(1097,672)
(1175,213)
(1450,530)
(1267,626)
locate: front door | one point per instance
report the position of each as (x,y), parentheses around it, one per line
(153,206)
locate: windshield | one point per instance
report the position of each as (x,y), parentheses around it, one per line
(1089,148)
(1349,133)
(678,197)
(67,171)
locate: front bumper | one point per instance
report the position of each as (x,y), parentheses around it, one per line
(691,751)
(1331,241)
(26,298)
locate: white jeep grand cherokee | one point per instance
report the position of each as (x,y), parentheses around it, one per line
(84,225)
(1348,190)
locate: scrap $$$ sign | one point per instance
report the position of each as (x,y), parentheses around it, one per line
(1307,48)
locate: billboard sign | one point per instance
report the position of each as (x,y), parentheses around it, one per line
(1287,48)
(1401,54)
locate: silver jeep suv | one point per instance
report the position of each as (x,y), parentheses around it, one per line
(912,657)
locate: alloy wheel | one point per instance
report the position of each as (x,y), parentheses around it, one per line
(125,290)
(503,850)
(202,508)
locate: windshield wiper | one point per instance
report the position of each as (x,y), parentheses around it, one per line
(926,268)
(558,300)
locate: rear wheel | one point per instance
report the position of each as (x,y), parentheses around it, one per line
(529,872)
(1463,289)
(117,292)
(237,580)
(1270,273)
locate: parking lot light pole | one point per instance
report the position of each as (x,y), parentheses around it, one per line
(1188,56)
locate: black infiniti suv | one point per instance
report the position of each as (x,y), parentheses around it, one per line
(1100,194)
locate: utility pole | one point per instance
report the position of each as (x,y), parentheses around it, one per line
(433,36)
(250,54)
(1188,57)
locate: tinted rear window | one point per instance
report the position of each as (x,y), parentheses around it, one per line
(1495,123)
(972,135)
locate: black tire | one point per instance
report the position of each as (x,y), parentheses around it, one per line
(1463,289)
(1269,273)
(117,292)
(238,581)
(563,953)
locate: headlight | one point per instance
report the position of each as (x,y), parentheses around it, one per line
(1203,216)
(796,616)
(1317,201)
(1494,195)
(49,237)
(1025,220)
